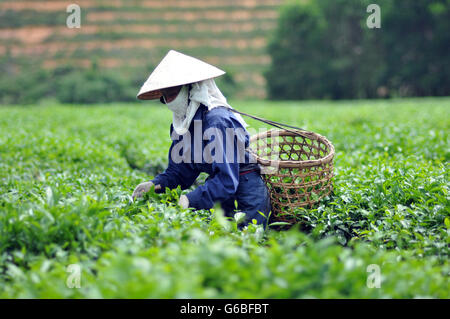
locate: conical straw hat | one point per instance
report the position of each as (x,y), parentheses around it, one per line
(176,69)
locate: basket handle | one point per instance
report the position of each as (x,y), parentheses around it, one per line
(273,123)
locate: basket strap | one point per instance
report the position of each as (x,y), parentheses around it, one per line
(273,123)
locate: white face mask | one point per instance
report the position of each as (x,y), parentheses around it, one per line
(179,105)
(204,92)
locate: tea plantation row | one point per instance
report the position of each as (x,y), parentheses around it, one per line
(67,173)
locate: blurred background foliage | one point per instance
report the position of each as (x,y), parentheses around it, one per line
(120,42)
(299,49)
(324,49)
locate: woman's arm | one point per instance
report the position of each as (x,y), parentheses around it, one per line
(182,174)
(225,180)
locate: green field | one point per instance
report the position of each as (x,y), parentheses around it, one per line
(67,173)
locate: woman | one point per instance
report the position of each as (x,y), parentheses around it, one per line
(206,137)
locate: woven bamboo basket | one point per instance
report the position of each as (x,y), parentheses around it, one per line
(297,167)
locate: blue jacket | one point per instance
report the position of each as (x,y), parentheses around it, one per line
(223,167)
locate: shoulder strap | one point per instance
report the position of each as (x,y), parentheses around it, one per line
(273,123)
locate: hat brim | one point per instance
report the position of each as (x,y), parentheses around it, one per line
(156,94)
(153,95)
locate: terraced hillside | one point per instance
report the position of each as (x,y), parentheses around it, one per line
(130,35)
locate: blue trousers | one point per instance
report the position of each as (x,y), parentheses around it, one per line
(252,197)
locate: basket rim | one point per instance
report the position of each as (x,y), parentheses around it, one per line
(291,163)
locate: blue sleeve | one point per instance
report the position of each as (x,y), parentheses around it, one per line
(182,174)
(225,180)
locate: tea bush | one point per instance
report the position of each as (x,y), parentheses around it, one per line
(67,173)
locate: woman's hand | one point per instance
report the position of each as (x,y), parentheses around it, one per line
(143,188)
